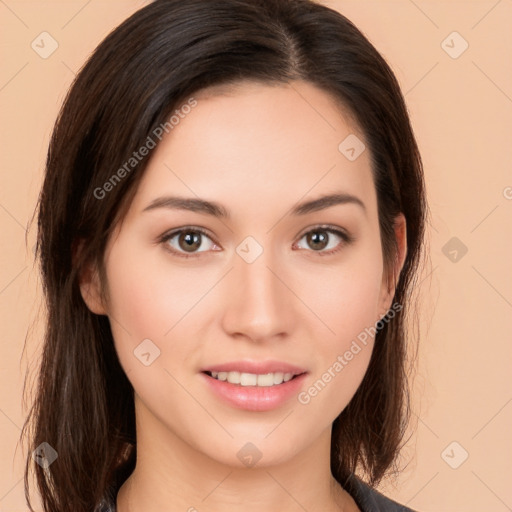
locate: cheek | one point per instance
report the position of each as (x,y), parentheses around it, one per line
(353,305)
(346,299)
(150,291)
(149,300)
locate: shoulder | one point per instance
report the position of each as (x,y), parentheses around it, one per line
(371,500)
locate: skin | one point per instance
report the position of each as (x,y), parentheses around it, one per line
(258,150)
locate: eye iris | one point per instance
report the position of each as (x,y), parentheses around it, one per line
(191,239)
(317,241)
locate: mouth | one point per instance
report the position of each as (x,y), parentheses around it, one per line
(255,386)
(253,379)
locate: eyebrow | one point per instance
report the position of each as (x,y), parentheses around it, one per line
(217,210)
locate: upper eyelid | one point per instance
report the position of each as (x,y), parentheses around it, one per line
(173,232)
(326,227)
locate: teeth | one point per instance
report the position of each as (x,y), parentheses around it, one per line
(266,380)
(278,378)
(233,377)
(252,379)
(248,379)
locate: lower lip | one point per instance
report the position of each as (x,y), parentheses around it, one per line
(255,398)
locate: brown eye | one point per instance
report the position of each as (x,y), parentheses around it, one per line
(187,242)
(317,239)
(322,238)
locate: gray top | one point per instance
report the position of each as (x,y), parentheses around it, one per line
(370,500)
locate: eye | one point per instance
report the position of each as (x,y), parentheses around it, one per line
(320,238)
(185,242)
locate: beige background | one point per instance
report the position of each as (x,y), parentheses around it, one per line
(461,109)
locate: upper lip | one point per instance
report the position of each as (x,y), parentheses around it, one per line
(256,367)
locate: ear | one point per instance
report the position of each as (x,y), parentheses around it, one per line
(89,282)
(390,277)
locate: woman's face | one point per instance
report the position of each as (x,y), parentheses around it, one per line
(271,287)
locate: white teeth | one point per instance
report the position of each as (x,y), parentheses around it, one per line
(248,379)
(252,379)
(234,377)
(278,377)
(266,380)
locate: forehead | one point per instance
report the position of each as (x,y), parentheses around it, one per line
(252,145)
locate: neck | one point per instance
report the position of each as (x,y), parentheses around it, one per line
(171,475)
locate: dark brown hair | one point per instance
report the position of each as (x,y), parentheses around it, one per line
(131,84)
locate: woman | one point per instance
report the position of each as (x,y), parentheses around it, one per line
(230,224)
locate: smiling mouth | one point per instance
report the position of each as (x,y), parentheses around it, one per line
(252,379)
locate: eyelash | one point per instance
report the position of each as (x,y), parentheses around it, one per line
(347,239)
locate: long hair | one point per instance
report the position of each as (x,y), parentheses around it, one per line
(136,78)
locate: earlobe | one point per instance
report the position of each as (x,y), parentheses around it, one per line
(90,285)
(390,281)
(90,290)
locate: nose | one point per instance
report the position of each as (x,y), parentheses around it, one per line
(259,301)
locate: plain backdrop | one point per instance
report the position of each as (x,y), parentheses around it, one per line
(453,61)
